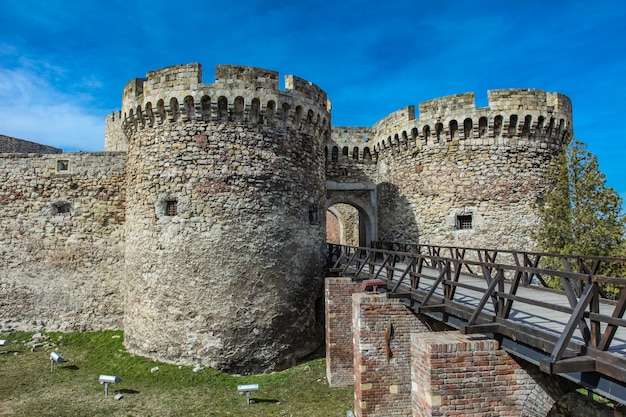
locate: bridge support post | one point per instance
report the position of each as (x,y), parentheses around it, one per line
(339,347)
(382,376)
(454,373)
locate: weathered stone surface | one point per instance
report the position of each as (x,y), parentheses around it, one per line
(62,271)
(14,145)
(204,238)
(233,279)
(454,160)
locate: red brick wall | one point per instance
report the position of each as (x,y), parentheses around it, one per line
(455,374)
(382,385)
(427,374)
(333,234)
(339,346)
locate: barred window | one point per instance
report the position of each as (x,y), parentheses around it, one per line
(171,208)
(463,222)
(63,165)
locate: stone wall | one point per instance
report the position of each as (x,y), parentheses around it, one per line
(13,145)
(62,241)
(218,216)
(350,156)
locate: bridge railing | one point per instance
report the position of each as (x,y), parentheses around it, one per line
(539,260)
(575,333)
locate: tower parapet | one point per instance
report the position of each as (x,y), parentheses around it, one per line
(511,115)
(240,94)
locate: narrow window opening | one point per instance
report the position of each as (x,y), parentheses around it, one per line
(497,126)
(463,221)
(62,209)
(313,216)
(171,208)
(63,165)
(467,128)
(367,156)
(454,127)
(512,125)
(482,127)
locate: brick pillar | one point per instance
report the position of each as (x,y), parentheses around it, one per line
(455,374)
(382,362)
(339,346)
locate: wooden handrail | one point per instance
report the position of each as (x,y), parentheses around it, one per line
(433,280)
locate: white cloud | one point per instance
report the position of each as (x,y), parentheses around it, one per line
(33,109)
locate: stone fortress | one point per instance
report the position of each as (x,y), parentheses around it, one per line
(201,228)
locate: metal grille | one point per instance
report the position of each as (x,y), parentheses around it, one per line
(464,222)
(171,208)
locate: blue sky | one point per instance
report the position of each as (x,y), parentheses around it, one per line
(63,64)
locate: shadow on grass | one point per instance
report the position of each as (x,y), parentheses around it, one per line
(126,391)
(70,367)
(264,400)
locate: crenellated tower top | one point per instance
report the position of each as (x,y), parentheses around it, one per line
(511,115)
(239,94)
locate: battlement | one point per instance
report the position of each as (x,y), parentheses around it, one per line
(240,94)
(247,78)
(114,137)
(350,144)
(511,115)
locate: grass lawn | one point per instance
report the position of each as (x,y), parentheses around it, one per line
(28,387)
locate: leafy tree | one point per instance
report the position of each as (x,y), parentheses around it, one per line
(580,214)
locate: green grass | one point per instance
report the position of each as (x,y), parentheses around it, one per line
(29,388)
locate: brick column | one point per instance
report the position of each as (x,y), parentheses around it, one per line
(339,346)
(455,374)
(382,362)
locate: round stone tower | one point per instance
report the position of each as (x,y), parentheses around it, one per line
(224,235)
(465,176)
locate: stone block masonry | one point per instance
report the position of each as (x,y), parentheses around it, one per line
(382,377)
(62,241)
(13,145)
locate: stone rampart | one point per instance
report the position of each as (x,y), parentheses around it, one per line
(512,115)
(62,241)
(14,145)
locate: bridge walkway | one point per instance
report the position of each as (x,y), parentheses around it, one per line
(575,333)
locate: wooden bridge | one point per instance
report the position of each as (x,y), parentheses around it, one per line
(577,332)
